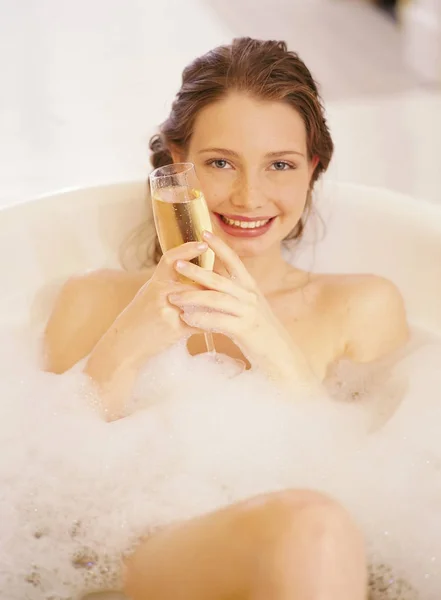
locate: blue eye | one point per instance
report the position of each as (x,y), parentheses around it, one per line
(219,163)
(281,165)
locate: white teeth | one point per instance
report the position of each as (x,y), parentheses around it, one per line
(245,224)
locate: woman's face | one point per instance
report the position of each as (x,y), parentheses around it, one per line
(252,164)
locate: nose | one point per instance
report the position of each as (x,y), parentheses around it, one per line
(248,193)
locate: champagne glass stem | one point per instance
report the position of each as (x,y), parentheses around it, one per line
(209,342)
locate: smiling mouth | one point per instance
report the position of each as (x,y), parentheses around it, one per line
(244,227)
(245,222)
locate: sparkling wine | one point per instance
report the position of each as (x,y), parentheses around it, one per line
(181,215)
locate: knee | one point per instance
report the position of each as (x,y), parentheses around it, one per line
(302,533)
(286,518)
(319,513)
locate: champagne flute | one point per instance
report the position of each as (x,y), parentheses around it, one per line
(181,215)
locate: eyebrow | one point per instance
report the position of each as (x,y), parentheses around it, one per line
(227,152)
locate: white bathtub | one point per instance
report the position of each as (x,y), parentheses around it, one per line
(46,240)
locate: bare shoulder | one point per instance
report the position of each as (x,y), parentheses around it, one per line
(372,313)
(111,289)
(116,284)
(85,308)
(353,286)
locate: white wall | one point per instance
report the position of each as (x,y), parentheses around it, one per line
(83,84)
(422,38)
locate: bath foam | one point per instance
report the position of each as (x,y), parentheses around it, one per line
(77,492)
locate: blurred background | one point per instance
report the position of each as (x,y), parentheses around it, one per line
(84,83)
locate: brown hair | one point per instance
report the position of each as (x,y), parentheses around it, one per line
(264,69)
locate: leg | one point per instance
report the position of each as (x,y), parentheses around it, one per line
(289,545)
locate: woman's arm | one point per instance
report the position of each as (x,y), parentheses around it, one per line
(84,310)
(119,321)
(234,306)
(113,366)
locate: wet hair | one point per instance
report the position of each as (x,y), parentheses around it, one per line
(265,70)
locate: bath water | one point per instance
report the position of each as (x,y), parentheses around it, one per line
(76,493)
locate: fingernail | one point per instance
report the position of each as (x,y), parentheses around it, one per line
(202,246)
(180,264)
(207,235)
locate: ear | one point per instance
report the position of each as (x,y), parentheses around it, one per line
(314,162)
(312,167)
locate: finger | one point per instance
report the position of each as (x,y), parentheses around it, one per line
(211,322)
(235,267)
(211,280)
(209,301)
(186,251)
(177,287)
(168,285)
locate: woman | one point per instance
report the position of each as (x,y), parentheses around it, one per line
(250,118)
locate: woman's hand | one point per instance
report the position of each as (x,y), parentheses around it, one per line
(234,306)
(149,325)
